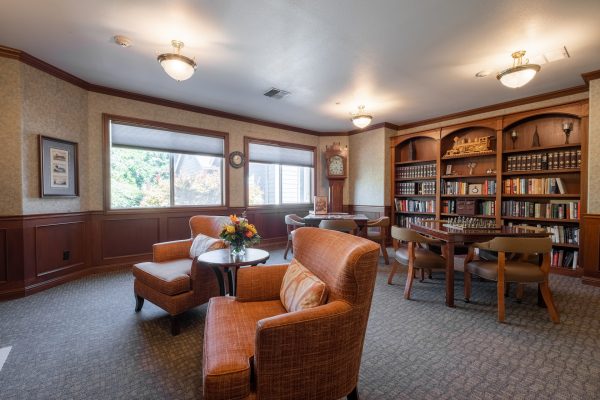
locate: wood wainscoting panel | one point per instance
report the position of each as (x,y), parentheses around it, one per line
(3,256)
(590,248)
(128,237)
(59,247)
(178,227)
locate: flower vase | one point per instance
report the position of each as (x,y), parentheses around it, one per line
(237,250)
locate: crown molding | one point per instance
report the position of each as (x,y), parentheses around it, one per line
(590,76)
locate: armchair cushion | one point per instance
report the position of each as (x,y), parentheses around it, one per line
(170,277)
(260,283)
(203,243)
(227,372)
(301,289)
(514,271)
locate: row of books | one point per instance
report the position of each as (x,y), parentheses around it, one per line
(534,186)
(564,258)
(487,207)
(488,187)
(405,220)
(415,205)
(416,171)
(556,209)
(559,233)
(415,187)
(544,161)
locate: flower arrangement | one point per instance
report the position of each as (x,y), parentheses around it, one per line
(239,234)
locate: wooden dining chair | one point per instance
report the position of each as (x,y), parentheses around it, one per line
(340,225)
(377,232)
(416,255)
(292,221)
(520,270)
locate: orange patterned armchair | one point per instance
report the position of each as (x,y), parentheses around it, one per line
(255,349)
(172,280)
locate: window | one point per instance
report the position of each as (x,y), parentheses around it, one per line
(156,167)
(280,174)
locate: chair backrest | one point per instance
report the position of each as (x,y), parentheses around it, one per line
(207,225)
(520,245)
(347,264)
(383,222)
(294,220)
(408,235)
(341,225)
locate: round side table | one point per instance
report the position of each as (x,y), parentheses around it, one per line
(221,260)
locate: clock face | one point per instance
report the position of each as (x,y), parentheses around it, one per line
(336,166)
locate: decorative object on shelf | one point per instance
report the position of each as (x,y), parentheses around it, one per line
(361,119)
(475,188)
(567,127)
(536,138)
(239,234)
(59,174)
(490,171)
(412,155)
(480,145)
(320,205)
(449,169)
(236,159)
(471,167)
(520,73)
(514,136)
(176,65)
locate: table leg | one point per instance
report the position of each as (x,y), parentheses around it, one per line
(220,281)
(231,278)
(450,274)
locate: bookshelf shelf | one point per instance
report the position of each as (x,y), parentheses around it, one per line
(419,178)
(541,196)
(424,153)
(542,148)
(553,220)
(416,162)
(490,176)
(543,172)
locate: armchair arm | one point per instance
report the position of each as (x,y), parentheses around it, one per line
(260,283)
(316,342)
(174,250)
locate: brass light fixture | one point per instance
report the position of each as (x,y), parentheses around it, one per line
(176,65)
(520,73)
(361,119)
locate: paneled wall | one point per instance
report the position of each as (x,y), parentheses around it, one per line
(37,252)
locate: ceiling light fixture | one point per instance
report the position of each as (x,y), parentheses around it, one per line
(361,119)
(177,66)
(520,73)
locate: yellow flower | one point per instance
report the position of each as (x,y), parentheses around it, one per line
(252,228)
(230,229)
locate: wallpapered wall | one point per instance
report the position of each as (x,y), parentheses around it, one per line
(594,149)
(34,102)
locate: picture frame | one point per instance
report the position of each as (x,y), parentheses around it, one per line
(449,169)
(59,169)
(320,205)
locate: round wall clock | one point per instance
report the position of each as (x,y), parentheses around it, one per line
(236,159)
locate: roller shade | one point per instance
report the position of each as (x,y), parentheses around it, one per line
(141,137)
(264,153)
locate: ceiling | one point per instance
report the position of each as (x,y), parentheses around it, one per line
(404,60)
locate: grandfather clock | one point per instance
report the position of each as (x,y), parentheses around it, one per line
(336,160)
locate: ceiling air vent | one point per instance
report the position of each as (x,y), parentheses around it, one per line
(276,93)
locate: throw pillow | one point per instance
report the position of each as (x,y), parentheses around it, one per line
(301,289)
(203,243)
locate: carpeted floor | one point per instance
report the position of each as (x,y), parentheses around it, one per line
(82,340)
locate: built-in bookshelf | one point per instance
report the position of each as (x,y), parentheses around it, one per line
(528,175)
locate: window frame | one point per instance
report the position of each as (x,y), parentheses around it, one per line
(107,119)
(247,141)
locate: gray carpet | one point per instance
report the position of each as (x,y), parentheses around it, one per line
(82,340)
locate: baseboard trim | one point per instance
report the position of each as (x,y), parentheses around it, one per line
(590,280)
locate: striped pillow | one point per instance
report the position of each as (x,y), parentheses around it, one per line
(301,288)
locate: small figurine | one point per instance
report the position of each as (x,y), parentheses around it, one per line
(471,167)
(536,138)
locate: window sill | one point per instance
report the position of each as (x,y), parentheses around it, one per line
(304,206)
(177,209)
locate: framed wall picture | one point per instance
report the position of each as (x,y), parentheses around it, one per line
(320,204)
(59,175)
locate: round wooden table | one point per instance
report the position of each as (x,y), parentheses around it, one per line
(221,260)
